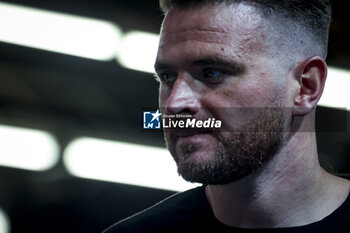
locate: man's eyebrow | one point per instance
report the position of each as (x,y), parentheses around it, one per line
(211,61)
(161,66)
(208,61)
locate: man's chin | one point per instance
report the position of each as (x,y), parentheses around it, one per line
(206,173)
(213,166)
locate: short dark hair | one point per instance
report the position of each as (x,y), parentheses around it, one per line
(313,15)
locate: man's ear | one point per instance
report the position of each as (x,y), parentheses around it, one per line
(311,75)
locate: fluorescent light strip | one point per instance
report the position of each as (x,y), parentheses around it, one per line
(4,222)
(123,163)
(58,32)
(336,93)
(138,51)
(27,149)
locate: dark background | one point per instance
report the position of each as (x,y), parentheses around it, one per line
(72,97)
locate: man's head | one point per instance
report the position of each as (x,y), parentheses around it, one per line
(293,26)
(216,59)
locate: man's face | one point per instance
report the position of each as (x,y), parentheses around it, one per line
(212,62)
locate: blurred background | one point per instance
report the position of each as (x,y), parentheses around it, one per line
(75,78)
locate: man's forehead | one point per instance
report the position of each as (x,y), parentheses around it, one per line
(218,18)
(236,27)
(206,35)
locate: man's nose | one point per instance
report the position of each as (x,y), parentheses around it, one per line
(183,97)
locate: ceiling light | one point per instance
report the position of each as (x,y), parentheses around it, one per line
(27,148)
(138,51)
(336,94)
(123,163)
(58,32)
(4,222)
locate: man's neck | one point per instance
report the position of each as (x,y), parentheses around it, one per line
(290,190)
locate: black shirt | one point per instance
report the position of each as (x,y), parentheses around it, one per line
(190,211)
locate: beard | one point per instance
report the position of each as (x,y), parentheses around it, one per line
(236,154)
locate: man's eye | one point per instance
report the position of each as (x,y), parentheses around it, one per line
(168,78)
(212,74)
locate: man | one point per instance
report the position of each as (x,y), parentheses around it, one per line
(258,66)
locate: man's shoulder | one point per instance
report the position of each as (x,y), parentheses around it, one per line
(175,212)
